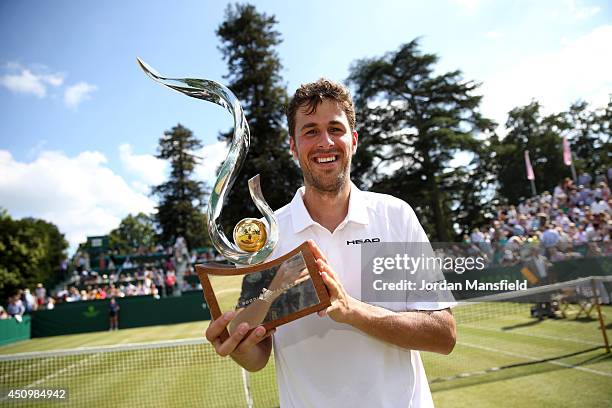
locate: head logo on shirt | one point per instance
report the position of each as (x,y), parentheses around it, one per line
(362,241)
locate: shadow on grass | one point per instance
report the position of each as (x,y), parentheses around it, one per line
(521,325)
(511,371)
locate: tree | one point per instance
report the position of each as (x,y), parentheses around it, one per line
(31,251)
(134,232)
(248,42)
(181,198)
(590,136)
(541,135)
(412,124)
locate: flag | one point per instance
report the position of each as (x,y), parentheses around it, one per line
(530,175)
(530,276)
(567,153)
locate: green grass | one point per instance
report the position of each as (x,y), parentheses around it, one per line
(124,336)
(553,363)
(577,373)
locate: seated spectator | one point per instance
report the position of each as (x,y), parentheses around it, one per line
(154,291)
(30,301)
(585,179)
(170,282)
(600,206)
(50,303)
(127,264)
(73,295)
(15,307)
(550,236)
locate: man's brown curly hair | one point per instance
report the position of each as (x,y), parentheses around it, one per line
(312,95)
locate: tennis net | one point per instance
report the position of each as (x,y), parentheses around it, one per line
(541,329)
(183,373)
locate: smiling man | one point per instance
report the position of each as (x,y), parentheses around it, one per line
(354,353)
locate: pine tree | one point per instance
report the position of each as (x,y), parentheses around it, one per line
(248,41)
(181,198)
(412,123)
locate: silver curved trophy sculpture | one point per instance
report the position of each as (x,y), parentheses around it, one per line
(253,241)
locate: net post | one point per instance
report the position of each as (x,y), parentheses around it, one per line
(602,326)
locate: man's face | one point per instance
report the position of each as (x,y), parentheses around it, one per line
(323,143)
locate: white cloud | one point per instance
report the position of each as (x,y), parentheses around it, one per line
(469,5)
(53,79)
(79,194)
(212,156)
(579,70)
(75,94)
(35,80)
(493,34)
(24,82)
(29,81)
(148,169)
(581,12)
(36,149)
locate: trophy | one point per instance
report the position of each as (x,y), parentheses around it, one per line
(263,293)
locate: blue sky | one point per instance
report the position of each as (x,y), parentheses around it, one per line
(80,121)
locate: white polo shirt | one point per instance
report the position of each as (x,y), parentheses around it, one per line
(321,363)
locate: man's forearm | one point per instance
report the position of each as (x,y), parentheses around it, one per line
(419,330)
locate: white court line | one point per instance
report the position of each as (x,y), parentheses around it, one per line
(36,364)
(509,353)
(542,336)
(55,374)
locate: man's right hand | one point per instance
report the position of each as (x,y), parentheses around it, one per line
(240,348)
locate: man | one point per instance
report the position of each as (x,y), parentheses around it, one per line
(353,353)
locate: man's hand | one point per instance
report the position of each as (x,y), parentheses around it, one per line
(341,303)
(247,351)
(432,330)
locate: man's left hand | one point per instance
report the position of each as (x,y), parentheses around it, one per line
(341,303)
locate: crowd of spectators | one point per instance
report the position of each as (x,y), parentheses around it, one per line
(572,222)
(25,301)
(157,272)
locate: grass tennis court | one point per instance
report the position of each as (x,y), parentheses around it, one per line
(505,361)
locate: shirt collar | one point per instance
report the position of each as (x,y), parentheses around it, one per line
(301,219)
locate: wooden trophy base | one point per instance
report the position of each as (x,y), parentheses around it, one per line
(268,294)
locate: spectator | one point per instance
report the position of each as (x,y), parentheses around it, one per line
(127,264)
(113,314)
(170,282)
(15,307)
(585,179)
(550,237)
(600,206)
(41,294)
(30,301)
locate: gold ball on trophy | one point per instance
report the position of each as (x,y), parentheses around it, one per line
(250,234)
